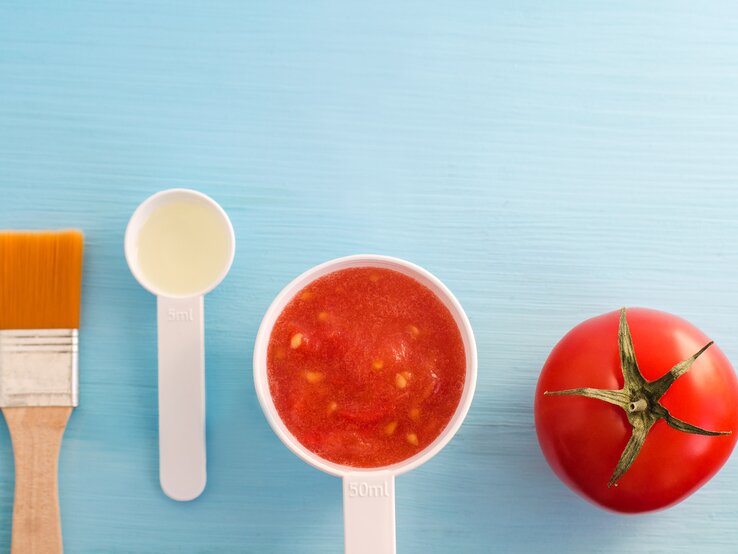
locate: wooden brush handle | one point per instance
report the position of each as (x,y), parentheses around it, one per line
(36,433)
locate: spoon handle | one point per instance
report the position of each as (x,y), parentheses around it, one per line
(182,455)
(369,512)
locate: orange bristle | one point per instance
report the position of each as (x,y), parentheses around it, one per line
(40,279)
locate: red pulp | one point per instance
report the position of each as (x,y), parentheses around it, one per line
(366,366)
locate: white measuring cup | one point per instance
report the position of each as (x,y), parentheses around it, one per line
(368,494)
(178,230)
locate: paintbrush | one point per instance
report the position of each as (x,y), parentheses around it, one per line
(40,285)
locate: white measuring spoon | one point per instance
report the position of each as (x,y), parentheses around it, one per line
(179,245)
(368,494)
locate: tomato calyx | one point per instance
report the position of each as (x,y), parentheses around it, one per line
(640,399)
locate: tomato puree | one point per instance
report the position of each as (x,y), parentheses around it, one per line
(366,366)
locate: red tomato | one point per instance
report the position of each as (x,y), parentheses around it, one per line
(583,438)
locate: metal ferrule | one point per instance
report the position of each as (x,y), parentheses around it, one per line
(38,367)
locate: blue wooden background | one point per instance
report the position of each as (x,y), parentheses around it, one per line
(548,160)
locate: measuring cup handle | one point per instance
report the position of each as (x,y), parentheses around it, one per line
(181,397)
(369,513)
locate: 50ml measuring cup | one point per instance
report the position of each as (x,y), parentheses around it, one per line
(368,494)
(179,245)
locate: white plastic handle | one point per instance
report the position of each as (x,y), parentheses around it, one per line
(182,456)
(369,513)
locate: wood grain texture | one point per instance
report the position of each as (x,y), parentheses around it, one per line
(36,433)
(548,161)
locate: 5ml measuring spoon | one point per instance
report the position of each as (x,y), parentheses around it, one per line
(179,245)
